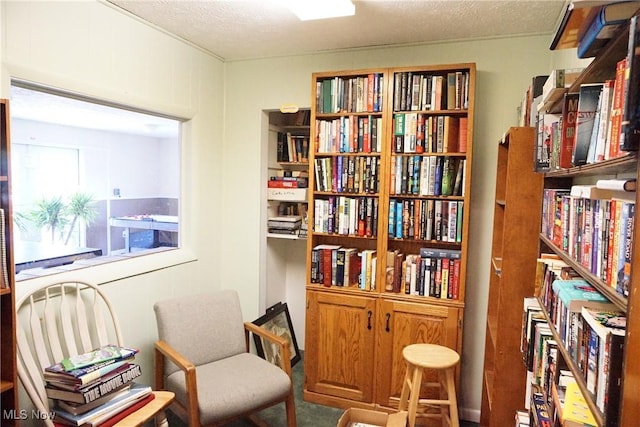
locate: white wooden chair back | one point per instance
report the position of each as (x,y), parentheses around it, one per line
(59,320)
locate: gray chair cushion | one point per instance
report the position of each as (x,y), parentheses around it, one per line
(233,385)
(203,328)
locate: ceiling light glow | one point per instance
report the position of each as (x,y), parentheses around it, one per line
(307,10)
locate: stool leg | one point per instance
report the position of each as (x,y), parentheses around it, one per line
(451,396)
(416,382)
(406,389)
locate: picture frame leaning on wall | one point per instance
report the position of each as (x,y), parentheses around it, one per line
(278,321)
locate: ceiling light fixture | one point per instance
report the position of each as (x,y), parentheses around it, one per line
(307,10)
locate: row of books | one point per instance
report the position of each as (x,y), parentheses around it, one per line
(349,134)
(600,349)
(348,174)
(292,148)
(427,175)
(422,92)
(348,216)
(96,388)
(288,182)
(589,326)
(422,133)
(434,272)
(588,130)
(350,94)
(548,377)
(595,231)
(418,219)
(289,224)
(4,275)
(601,121)
(334,265)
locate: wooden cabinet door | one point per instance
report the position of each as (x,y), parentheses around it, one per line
(339,345)
(401,323)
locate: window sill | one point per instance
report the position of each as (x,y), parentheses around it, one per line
(106,269)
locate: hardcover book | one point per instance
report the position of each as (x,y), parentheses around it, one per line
(82,376)
(604,26)
(103,412)
(568,136)
(609,327)
(631,114)
(99,355)
(587,107)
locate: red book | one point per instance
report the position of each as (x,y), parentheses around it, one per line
(455,292)
(327,266)
(276,183)
(617,108)
(462,134)
(568,137)
(127,411)
(420,134)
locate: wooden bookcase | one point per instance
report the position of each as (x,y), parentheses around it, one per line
(516,226)
(601,68)
(8,376)
(355,333)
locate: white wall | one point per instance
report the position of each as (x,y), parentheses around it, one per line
(504,70)
(141,166)
(91,48)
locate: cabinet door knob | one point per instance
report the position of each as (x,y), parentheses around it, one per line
(369,314)
(388,316)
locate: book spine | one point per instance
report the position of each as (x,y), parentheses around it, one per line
(631,115)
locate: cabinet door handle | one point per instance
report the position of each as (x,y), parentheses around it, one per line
(369,314)
(388,316)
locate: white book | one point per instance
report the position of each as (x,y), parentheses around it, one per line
(605,122)
(424,176)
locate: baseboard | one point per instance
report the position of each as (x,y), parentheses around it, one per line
(472,415)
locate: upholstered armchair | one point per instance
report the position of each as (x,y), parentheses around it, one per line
(203,356)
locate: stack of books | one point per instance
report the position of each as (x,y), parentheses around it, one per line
(97,388)
(284,224)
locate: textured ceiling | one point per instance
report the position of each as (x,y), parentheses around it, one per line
(246,29)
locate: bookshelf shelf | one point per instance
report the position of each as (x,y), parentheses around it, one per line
(8,369)
(626,412)
(386,315)
(516,226)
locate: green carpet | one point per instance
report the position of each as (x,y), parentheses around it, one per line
(307,414)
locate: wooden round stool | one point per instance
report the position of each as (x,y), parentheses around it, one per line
(430,356)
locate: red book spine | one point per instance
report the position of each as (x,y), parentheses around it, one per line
(327,267)
(617,108)
(127,411)
(568,137)
(462,134)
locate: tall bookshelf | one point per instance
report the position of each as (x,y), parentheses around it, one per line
(8,377)
(516,225)
(604,67)
(288,155)
(357,327)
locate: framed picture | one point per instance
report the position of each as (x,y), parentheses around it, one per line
(278,321)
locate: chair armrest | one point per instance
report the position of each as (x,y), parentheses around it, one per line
(163,350)
(283,343)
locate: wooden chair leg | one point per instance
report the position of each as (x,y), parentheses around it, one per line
(290,406)
(161,419)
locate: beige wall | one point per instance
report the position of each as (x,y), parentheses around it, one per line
(91,48)
(504,70)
